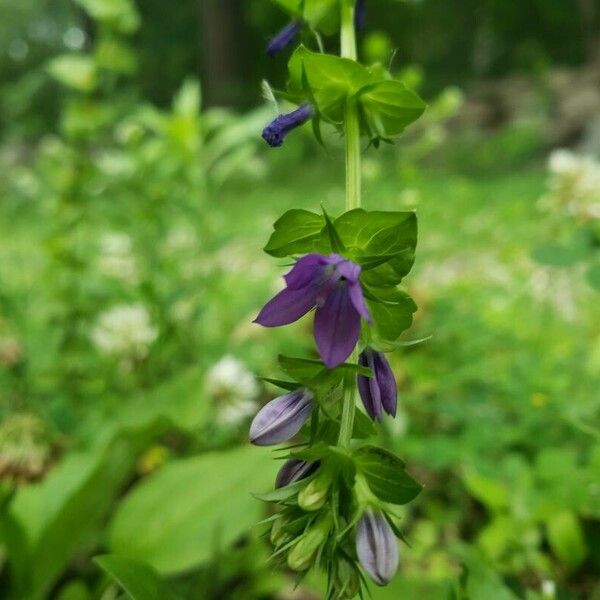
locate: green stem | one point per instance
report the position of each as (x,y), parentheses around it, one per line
(348,50)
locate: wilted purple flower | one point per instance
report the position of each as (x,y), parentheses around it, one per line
(378,393)
(281,419)
(331,284)
(360,14)
(376,547)
(294,470)
(283,38)
(276,131)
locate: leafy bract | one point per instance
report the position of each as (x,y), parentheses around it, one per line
(386,475)
(392,310)
(139,580)
(386,106)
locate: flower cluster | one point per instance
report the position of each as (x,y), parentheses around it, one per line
(335,493)
(573,185)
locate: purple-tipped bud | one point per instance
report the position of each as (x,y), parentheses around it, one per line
(378,393)
(283,38)
(376,547)
(294,470)
(360,14)
(281,419)
(276,131)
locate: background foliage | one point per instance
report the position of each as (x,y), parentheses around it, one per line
(133,208)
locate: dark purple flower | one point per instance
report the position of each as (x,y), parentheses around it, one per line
(360,14)
(331,284)
(378,393)
(276,131)
(281,419)
(283,38)
(294,470)
(376,547)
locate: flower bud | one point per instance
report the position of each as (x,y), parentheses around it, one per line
(283,38)
(302,554)
(347,580)
(377,547)
(278,534)
(314,495)
(379,393)
(294,470)
(281,419)
(275,133)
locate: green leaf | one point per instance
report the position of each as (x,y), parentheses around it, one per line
(331,79)
(386,475)
(139,580)
(557,255)
(319,14)
(389,107)
(120,15)
(593,276)
(177,518)
(300,369)
(371,235)
(566,538)
(334,238)
(392,310)
(296,232)
(76,71)
(493,494)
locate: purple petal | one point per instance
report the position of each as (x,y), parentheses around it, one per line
(337,327)
(386,383)
(377,548)
(306,270)
(286,307)
(358,300)
(368,388)
(283,38)
(281,419)
(348,270)
(294,470)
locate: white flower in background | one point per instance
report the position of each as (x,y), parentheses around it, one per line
(124,331)
(574,185)
(234,390)
(116,257)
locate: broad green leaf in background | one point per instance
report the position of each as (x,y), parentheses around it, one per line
(481,581)
(558,255)
(566,538)
(386,475)
(319,14)
(120,15)
(389,107)
(593,276)
(76,71)
(177,518)
(296,232)
(58,514)
(139,580)
(491,493)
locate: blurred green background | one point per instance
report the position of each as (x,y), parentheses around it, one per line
(135,196)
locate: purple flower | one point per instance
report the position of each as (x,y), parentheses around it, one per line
(284,38)
(331,284)
(360,14)
(281,419)
(378,393)
(376,547)
(276,131)
(294,470)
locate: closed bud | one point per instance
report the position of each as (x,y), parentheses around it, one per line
(279,535)
(301,556)
(314,495)
(281,419)
(294,470)
(347,580)
(379,393)
(377,547)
